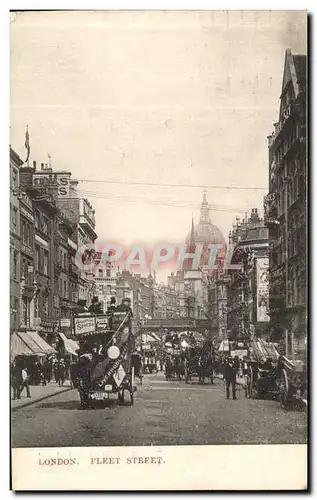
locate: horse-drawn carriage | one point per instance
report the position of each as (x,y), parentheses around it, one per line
(198,363)
(174,364)
(149,361)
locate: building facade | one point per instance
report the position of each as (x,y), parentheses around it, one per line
(247,288)
(286,210)
(15,164)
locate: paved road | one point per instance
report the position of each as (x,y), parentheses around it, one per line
(164,413)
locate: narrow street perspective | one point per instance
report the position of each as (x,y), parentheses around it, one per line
(164,413)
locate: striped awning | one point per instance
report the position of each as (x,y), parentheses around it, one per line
(29,344)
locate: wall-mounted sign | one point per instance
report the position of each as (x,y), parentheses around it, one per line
(262,289)
(65,322)
(62,179)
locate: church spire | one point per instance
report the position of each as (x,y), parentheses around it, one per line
(204,211)
(192,235)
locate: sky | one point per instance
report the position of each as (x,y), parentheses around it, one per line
(153,97)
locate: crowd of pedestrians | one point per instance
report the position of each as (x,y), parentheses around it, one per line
(26,372)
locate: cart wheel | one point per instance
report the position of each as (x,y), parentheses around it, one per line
(283,389)
(250,380)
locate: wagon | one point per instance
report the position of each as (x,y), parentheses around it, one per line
(105,370)
(292,382)
(261,375)
(198,364)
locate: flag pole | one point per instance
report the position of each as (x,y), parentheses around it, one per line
(27,146)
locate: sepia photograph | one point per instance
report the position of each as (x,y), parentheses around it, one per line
(158,247)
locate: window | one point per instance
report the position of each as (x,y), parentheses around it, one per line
(29,235)
(22,270)
(37,258)
(15,264)
(45,266)
(36,306)
(65,289)
(100,273)
(23,231)
(45,306)
(108,273)
(14,216)
(37,219)
(45,225)
(14,177)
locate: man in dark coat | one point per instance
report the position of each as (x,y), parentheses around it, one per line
(112,307)
(230,375)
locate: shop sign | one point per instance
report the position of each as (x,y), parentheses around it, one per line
(65,322)
(102,323)
(49,325)
(84,325)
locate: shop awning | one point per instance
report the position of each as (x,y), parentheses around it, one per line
(44,346)
(70,345)
(18,347)
(29,344)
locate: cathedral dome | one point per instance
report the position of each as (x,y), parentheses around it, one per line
(205,233)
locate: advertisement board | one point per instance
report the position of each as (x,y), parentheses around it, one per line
(62,179)
(65,322)
(102,323)
(262,289)
(84,325)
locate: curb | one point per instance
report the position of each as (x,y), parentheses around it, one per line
(29,403)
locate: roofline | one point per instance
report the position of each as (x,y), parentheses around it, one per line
(15,157)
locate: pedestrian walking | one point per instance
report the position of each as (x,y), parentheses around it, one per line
(16,379)
(231,378)
(25,384)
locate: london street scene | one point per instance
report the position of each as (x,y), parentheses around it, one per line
(158,221)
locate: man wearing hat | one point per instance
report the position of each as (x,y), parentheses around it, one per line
(112,307)
(230,374)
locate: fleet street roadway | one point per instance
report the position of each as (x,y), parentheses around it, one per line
(164,413)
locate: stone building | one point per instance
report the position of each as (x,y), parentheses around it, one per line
(247,288)
(15,164)
(286,210)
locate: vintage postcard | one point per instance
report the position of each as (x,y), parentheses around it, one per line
(158,250)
